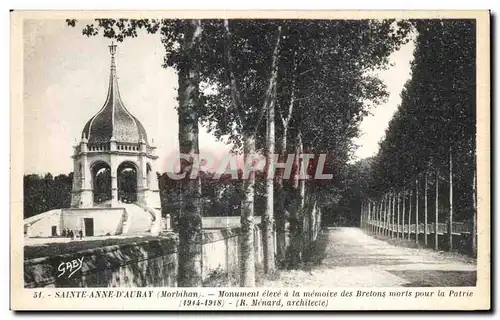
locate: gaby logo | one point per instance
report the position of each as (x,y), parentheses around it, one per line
(69,267)
(292,166)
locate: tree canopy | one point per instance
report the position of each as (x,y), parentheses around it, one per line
(437,115)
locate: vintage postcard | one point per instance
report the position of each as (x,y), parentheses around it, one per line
(250,160)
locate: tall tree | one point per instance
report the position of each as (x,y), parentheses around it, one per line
(248,124)
(46,193)
(268,218)
(324,69)
(436,115)
(181,39)
(190,221)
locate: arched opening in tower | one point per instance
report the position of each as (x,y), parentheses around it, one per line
(101,182)
(149,176)
(127,182)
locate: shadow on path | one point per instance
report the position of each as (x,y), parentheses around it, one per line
(437,278)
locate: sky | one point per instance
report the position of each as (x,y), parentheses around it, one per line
(373,126)
(66,79)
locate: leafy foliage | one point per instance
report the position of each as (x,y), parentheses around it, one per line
(46,193)
(437,115)
(326,67)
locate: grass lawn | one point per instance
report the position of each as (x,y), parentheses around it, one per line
(53,249)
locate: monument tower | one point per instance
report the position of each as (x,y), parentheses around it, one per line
(114,162)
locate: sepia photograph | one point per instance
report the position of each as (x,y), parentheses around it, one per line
(340,156)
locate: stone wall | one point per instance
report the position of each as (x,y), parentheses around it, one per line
(150,263)
(221,256)
(147,263)
(225,222)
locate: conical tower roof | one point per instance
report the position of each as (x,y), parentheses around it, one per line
(114,121)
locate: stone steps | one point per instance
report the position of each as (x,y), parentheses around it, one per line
(138,220)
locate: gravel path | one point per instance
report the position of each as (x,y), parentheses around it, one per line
(348,257)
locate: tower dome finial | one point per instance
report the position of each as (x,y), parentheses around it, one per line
(112,50)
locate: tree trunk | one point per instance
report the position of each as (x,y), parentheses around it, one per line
(296,225)
(425,209)
(393,213)
(416,212)
(386,218)
(281,214)
(367,214)
(450,218)
(247,253)
(380,217)
(436,222)
(398,230)
(310,224)
(302,198)
(374,216)
(190,222)
(366,218)
(368,225)
(247,259)
(268,218)
(370,213)
(361,213)
(387,213)
(404,214)
(474,216)
(409,217)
